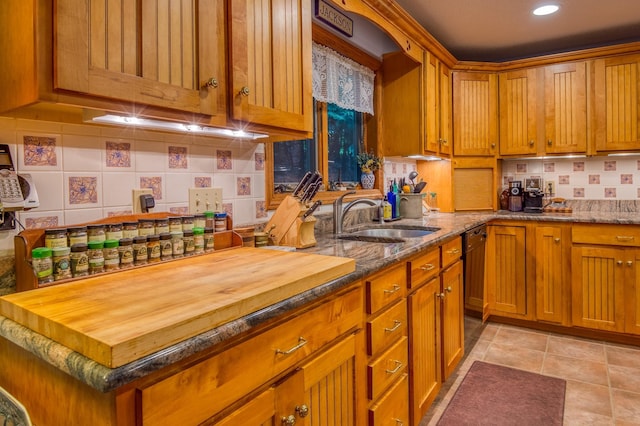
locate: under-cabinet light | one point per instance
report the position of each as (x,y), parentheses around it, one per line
(546,10)
(425,157)
(175,127)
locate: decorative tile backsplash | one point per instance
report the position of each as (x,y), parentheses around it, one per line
(87,172)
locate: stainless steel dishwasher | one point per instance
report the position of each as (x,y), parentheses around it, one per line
(473,243)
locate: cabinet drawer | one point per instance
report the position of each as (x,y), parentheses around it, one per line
(386,328)
(211,385)
(384,289)
(424,267)
(393,407)
(386,368)
(616,235)
(451,252)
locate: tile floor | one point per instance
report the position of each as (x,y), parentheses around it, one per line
(603,379)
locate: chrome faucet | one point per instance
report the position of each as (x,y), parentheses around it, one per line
(339,212)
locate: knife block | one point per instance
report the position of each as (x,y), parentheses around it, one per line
(288,228)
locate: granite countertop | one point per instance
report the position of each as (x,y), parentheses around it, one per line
(369,257)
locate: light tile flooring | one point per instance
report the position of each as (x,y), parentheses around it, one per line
(603,379)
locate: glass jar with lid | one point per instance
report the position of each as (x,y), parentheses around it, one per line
(146,227)
(125,251)
(96,233)
(77,235)
(166,250)
(189,243)
(42,264)
(198,240)
(162,225)
(209,219)
(129,229)
(96,257)
(198,220)
(209,242)
(220,221)
(79,260)
(175,224)
(187,223)
(114,231)
(177,244)
(61,263)
(111,255)
(153,248)
(56,237)
(140,256)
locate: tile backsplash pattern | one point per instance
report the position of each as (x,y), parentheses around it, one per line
(593,178)
(87,172)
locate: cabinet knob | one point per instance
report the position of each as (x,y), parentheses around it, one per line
(212,83)
(557,240)
(549,142)
(629,262)
(441,295)
(302,410)
(245,91)
(399,422)
(619,262)
(493,145)
(444,142)
(531,142)
(448,289)
(290,420)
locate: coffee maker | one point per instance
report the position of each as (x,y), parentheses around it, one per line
(515,196)
(533,200)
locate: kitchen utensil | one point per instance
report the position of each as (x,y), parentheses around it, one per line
(302,184)
(419,187)
(312,188)
(412,176)
(311,209)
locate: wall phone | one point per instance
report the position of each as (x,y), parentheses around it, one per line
(17,191)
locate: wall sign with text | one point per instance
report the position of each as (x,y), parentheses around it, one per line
(334,18)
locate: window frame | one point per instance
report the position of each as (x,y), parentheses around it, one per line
(370,128)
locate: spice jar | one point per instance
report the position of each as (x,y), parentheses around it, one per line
(96,233)
(209,220)
(61,263)
(175,224)
(189,243)
(55,238)
(220,220)
(209,242)
(77,235)
(153,248)
(96,257)
(166,250)
(114,231)
(198,240)
(129,229)
(187,223)
(42,264)
(198,220)
(146,227)
(177,244)
(162,225)
(79,260)
(111,255)
(125,252)
(140,250)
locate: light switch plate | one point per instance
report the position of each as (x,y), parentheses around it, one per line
(135,198)
(205,199)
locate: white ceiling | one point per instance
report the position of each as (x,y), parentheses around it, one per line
(500,30)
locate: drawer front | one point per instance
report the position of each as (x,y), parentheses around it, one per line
(213,384)
(424,267)
(387,328)
(393,406)
(386,288)
(451,252)
(615,235)
(387,368)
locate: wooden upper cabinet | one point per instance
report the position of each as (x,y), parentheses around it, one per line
(616,97)
(166,54)
(437,87)
(565,92)
(270,56)
(518,112)
(475,113)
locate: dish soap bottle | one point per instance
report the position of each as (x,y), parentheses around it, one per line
(396,195)
(386,209)
(391,198)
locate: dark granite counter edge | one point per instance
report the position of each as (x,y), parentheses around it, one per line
(106,379)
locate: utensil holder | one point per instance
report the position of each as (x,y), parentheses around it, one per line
(287,226)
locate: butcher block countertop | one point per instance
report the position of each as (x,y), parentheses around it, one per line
(118,318)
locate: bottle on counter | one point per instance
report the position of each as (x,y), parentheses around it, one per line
(177,244)
(189,243)
(130,229)
(166,250)
(96,233)
(96,257)
(386,209)
(153,248)
(140,256)
(125,252)
(77,235)
(79,260)
(114,231)
(209,242)
(61,263)
(162,225)
(188,223)
(146,227)
(42,263)
(220,222)
(55,238)
(111,255)
(198,240)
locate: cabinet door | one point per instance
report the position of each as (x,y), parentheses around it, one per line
(632,293)
(445,110)
(147,52)
(260,410)
(270,59)
(506,275)
(452,319)
(551,261)
(437,77)
(616,97)
(424,348)
(475,113)
(517,112)
(565,95)
(597,287)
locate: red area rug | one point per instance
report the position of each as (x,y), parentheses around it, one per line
(495,395)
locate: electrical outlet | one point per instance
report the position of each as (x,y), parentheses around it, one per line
(550,188)
(205,199)
(135,198)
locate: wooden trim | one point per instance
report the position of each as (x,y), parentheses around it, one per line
(327,38)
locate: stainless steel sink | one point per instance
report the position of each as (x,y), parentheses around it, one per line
(390,234)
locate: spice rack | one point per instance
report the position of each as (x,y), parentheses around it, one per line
(29,239)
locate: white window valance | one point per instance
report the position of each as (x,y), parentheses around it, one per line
(341,81)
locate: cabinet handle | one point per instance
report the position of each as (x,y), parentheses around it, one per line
(629,262)
(531,142)
(302,410)
(427,267)
(395,370)
(448,289)
(444,142)
(301,342)
(289,420)
(396,325)
(453,251)
(549,142)
(212,83)
(624,237)
(396,288)
(245,91)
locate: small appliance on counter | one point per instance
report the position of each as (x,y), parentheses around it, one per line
(515,196)
(533,201)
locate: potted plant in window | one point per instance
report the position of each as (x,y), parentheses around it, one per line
(368,163)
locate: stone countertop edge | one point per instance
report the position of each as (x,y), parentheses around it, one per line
(106,379)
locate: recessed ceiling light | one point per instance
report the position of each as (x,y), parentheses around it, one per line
(546,10)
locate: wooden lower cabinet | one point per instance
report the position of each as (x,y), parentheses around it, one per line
(552,266)
(452,289)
